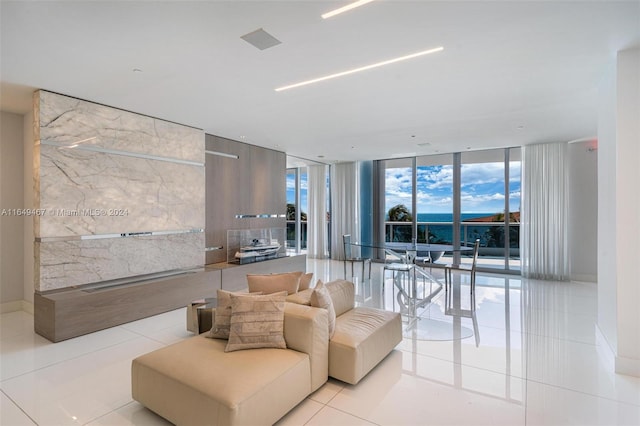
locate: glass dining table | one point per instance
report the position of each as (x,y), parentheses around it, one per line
(414,287)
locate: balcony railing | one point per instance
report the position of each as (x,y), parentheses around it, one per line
(491,235)
(291,234)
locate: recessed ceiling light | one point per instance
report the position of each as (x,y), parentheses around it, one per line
(520,127)
(423,144)
(355,70)
(137,70)
(345,8)
(320,156)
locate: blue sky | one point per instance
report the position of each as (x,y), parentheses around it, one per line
(291,187)
(482,188)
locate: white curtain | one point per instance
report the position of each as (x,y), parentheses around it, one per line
(317,237)
(544,222)
(345,209)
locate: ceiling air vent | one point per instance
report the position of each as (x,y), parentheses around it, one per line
(261,39)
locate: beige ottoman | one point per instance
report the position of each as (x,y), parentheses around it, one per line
(363,336)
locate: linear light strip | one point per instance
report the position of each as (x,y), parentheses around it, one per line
(355,70)
(123,153)
(345,8)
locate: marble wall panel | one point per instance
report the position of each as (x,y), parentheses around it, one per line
(87,193)
(67,121)
(104,171)
(77,262)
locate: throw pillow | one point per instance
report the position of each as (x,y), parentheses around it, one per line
(305,281)
(302,297)
(257,322)
(342,294)
(320,298)
(222,318)
(273,283)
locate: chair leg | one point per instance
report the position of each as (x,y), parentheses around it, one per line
(344,263)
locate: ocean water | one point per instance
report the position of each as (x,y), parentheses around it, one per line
(448,217)
(489,235)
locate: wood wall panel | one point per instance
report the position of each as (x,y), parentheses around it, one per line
(254,183)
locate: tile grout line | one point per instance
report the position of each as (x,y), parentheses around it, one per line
(18,406)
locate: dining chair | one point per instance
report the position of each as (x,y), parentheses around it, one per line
(465,268)
(403,278)
(348,257)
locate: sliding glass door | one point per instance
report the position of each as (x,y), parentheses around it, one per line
(398,200)
(421,194)
(297,210)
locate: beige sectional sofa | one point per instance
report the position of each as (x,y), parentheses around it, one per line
(363,336)
(195,382)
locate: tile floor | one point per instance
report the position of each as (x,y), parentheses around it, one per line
(532,359)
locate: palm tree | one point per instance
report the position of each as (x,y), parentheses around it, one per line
(399,213)
(291,213)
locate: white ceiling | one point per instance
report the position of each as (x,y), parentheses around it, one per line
(506,64)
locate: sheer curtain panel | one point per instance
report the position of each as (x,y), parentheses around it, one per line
(544,222)
(345,208)
(317,237)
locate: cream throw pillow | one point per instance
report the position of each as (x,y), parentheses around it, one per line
(257,322)
(222,318)
(273,283)
(305,281)
(320,298)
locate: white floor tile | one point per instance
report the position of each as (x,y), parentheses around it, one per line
(327,391)
(536,363)
(579,367)
(156,323)
(301,414)
(412,388)
(81,389)
(171,334)
(561,325)
(497,350)
(130,415)
(11,414)
(24,353)
(330,416)
(549,405)
(15,324)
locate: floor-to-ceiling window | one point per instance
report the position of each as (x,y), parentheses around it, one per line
(490,205)
(398,199)
(420,195)
(297,210)
(434,196)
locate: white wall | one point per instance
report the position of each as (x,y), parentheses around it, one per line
(28,203)
(11,197)
(618,206)
(583,210)
(627,210)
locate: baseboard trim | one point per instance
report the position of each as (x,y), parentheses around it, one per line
(584,278)
(15,306)
(628,366)
(617,364)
